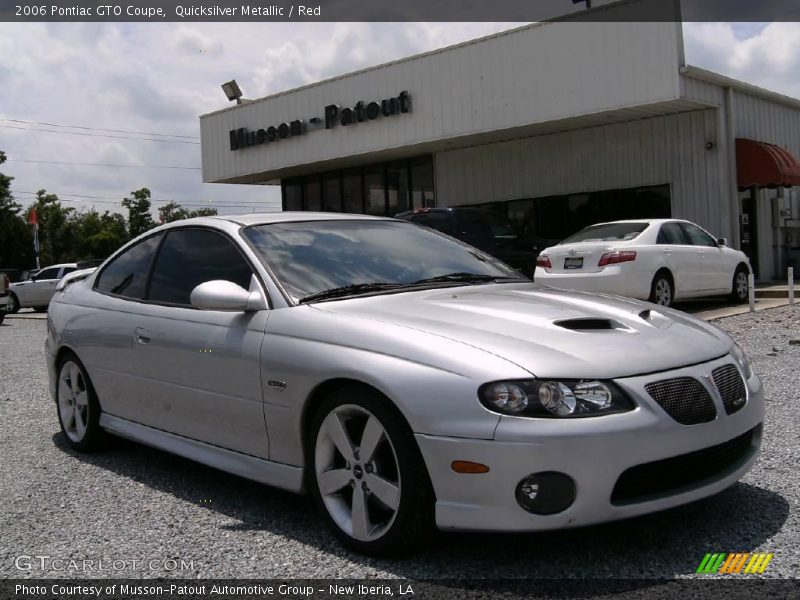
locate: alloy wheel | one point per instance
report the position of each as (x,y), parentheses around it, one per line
(357,472)
(73,401)
(741,285)
(663,292)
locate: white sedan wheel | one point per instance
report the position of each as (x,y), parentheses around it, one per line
(73,402)
(741,285)
(357,472)
(662,292)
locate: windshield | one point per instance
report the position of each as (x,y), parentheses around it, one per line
(608,232)
(310,257)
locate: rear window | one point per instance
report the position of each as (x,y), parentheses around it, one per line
(609,232)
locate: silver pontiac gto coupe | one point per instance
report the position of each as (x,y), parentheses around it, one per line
(407,380)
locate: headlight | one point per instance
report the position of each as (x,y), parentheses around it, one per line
(743,361)
(561,398)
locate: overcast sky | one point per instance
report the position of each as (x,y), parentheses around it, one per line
(157,79)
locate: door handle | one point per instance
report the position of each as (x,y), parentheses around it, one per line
(140,335)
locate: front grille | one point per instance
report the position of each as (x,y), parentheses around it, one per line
(641,482)
(731,387)
(684,399)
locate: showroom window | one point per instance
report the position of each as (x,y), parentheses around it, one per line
(383,189)
(555,218)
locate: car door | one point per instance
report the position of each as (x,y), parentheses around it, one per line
(710,271)
(679,256)
(199,370)
(106,341)
(42,287)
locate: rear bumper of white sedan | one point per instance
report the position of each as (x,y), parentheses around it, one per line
(621,465)
(621,280)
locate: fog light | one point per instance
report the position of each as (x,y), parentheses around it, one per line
(546,493)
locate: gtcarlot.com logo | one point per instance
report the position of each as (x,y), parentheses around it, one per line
(734,562)
(40,562)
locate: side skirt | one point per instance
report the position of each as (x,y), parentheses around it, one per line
(283,476)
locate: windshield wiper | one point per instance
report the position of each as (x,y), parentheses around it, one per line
(467,278)
(382,286)
(350,290)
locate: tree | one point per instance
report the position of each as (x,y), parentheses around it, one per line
(98,236)
(172,211)
(16,238)
(139,217)
(203,212)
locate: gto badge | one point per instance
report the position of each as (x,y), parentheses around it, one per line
(278,385)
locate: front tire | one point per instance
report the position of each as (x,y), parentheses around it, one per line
(77,406)
(368,476)
(662,291)
(740,289)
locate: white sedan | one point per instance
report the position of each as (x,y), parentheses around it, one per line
(660,260)
(37,291)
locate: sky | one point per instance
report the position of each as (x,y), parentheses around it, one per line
(156,79)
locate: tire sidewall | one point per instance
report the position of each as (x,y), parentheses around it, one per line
(413,522)
(94,437)
(14,308)
(662,277)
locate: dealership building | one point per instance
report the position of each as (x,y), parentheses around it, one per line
(555,125)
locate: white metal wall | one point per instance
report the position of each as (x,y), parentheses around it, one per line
(534,74)
(669,149)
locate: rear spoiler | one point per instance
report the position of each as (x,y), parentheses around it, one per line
(74,277)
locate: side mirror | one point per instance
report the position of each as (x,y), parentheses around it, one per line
(722,242)
(226,295)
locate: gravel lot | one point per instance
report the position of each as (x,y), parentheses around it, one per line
(132,503)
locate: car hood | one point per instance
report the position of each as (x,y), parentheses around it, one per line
(548,332)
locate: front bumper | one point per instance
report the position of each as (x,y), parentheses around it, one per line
(594,452)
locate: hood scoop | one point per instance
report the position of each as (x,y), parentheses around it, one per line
(590,325)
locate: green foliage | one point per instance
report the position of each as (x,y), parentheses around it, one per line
(16,240)
(173,211)
(139,218)
(98,235)
(68,235)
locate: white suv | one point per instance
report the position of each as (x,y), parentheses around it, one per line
(36,292)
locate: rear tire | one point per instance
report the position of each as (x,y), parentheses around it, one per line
(740,288)
(77,406)
(13,308)
(367,474)
(662,290)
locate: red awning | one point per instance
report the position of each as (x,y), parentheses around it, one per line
(765,165)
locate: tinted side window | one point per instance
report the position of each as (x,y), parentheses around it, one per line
(697,236)
(671,233)
(51,273)
(189,257)
(68,270)
(126,275)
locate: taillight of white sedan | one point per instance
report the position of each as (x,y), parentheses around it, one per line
(660,260)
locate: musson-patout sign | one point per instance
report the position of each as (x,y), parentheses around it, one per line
(361,112)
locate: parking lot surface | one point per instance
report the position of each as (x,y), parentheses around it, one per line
(149,514)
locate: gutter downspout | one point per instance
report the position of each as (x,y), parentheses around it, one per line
(733,188)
